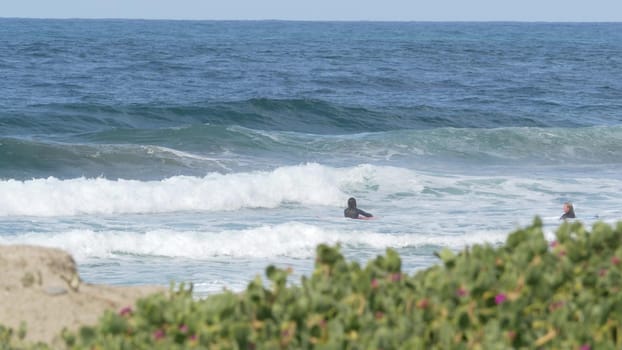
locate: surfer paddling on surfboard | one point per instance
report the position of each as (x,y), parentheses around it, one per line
(353,212)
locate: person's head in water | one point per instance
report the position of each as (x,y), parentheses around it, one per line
(353,212)
(351,202)
(568,211)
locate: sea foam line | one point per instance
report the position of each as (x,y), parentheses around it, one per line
(291,239)
(307,184)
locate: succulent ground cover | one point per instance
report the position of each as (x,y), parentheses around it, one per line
(528,293)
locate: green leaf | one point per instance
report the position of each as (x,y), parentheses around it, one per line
(447,256)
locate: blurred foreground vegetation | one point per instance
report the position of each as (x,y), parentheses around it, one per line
(526,294)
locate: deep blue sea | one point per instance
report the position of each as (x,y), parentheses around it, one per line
(203,151)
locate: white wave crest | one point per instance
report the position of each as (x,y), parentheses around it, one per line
(308,184)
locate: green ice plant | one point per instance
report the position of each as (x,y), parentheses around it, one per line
(525,294)
(12,340)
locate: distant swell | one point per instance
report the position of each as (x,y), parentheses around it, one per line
(261,113)
(298,115)
(153,154)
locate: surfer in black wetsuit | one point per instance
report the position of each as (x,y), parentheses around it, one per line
(568,211)
(353,212)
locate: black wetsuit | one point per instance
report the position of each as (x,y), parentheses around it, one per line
(353,213)
(568,215)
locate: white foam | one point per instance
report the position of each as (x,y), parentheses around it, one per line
(398,190)
(291,239)
(308,184)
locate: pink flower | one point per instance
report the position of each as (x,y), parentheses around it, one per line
(500,298)
(374,283)
(615,260)
(193,337)
(126,311)
(556,305)
(461,292)
(183,328)
(553,244)
(158,334)
(396,277)
(585,347)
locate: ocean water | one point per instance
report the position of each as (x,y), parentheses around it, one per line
(203,151)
